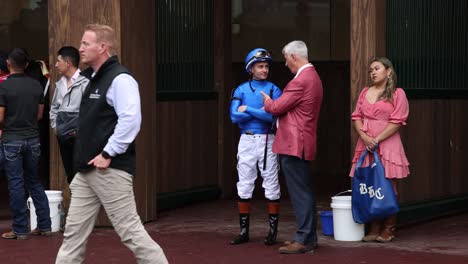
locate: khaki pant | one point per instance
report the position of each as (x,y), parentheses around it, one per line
(114,190)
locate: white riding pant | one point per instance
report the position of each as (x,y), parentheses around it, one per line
(250,156)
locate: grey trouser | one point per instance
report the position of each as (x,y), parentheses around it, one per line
(114,190)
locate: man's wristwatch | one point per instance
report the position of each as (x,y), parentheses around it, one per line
(105,155)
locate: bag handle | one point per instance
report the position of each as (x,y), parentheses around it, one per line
(361,159)
(348,191)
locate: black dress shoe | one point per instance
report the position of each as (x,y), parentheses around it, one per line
(297,248)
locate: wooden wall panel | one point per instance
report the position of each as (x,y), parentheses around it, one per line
(436,147)
(458,143)
(190,135)
(138,55)
(223,85)
(187,145)
(367,41)
(66,23)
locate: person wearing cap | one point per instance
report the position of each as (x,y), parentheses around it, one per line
(254,149)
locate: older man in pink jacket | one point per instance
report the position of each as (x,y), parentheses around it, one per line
(298,109)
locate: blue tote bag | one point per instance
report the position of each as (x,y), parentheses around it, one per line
(372,195)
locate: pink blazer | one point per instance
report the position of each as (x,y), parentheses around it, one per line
(298,110)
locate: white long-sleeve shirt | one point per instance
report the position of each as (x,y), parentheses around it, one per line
(124,96)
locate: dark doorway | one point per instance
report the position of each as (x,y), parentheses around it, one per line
(24,24)
(324,26)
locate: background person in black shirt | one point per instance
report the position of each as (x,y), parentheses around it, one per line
(21,106)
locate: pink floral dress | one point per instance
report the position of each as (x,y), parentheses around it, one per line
(375,117)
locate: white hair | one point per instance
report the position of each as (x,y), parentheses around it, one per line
(296,47)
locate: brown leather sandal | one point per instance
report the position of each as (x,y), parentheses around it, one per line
(384,239)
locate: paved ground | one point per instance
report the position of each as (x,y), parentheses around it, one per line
(200,234)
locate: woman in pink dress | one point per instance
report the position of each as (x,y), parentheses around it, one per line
(380,112)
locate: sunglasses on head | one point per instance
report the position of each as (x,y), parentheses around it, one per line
(261,54)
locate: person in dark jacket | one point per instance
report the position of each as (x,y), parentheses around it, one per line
(110,119)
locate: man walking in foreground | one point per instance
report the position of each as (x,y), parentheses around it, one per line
(110,119)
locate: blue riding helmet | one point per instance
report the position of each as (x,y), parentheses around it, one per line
(257,55)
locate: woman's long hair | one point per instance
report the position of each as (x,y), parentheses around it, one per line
(390,87)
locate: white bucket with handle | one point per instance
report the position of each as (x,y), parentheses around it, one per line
(344,227)
(56,210)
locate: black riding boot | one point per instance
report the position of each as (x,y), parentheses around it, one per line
(273,217)
(270,239)
(243,236)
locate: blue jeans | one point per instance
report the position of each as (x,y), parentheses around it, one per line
(22,165)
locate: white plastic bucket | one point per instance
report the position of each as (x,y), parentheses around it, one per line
(56,210)
(344,227)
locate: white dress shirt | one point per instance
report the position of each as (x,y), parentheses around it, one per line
(124,96)
(302,68)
